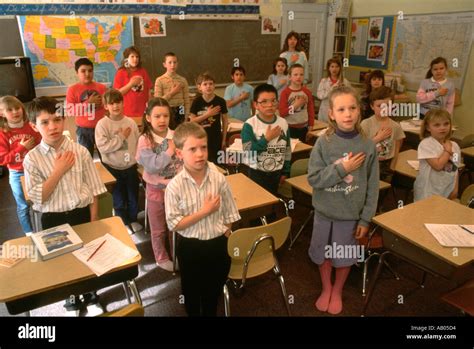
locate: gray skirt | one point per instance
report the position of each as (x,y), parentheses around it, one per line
(334,240)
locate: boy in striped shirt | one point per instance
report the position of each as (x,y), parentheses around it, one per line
(199,206)
(61,181)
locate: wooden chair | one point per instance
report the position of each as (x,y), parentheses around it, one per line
(462,297)
(133,309)
(252,253)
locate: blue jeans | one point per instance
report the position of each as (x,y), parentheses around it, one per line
(85,137)
(22,209)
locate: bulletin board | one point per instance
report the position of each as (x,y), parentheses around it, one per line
(371,42)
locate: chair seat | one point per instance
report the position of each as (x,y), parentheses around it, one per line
(462,297)
(259,266)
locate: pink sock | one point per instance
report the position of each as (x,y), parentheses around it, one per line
(335,305)
(322,303)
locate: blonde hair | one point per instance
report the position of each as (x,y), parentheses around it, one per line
(433,115)
(11,102)
(336,92)
(186,130)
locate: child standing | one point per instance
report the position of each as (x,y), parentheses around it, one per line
(156,153)
(279,77)
(436,91)
(175,89)
(374,79)
(200,207)
(296,104)
(84,102)
(334,79)
(133,82)
(210,111)
(61,181)
(268,136)
(343,171)
(16,139)
(387,134)
(239,95)
(117,138)
(439,158)
(293,52)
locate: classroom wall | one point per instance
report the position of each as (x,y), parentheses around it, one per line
(463,114)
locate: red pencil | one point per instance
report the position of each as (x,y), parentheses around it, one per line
(97,249)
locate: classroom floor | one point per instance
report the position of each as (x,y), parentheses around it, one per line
(160,290)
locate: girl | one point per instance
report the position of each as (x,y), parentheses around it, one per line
(439,158)
(343,171)
(374,79)
(134,83)
(293,53)
(334,79)
(16,139)
(279,77)
(156,153)
(436,91)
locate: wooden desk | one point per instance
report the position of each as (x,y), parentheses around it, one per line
(319,125)
(406,237)
(32,284)
(468,152)
(234,130)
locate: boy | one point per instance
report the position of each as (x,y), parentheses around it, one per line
(297,105)
(208,110)
(61,181)
(268,136)
(239,95)
(117,137)
(387,134)
(174,88)
(84,102)
(200,207)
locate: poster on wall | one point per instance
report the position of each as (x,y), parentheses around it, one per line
(376,52)
(359,36)
(375,28)
(151,26)
(271,25)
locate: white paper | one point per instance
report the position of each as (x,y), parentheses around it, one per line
(235,126)
(294,142)
(415,164)
(411,126)
(236,146)
(452,235)
(110,255)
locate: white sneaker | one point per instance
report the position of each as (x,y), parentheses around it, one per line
(166,265)
(94,309)
(136,227)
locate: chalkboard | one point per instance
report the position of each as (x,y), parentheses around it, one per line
(10,40)
(210,46)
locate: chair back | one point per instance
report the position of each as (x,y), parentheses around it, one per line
(467,141)
(129,310)
(467,195)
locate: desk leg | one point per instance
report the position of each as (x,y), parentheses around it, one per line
(134,289)
(374,282)
(293,240)
(127,292)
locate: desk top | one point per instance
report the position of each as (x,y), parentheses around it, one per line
(319,125)
(300,147)
(28,277)
(301,183)
(248,194)
(408,223)
(468,152)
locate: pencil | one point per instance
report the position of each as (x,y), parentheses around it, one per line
(97,249)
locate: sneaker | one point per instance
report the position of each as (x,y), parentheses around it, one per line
(166,265)
(94,309)
(136,227)
(72,312)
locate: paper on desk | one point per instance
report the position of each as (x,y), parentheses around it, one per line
(294,142)
(452,235)
(111,255)
(415,164)
(235,126)
(236,146)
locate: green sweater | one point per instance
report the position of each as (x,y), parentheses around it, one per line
(338,195)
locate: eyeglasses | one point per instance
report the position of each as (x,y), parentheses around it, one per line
(268,101)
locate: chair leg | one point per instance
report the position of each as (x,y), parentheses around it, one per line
(391,270)
(374,282)
(423,279)
(135,292)
(293,240)
(226,301)
(364,274)
(263,219)
(281,280)
(127,292)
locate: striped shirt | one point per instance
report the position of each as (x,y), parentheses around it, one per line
(184,197)
(76,188)
(164,84)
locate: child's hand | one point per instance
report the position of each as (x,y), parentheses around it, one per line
(126,132)
(244,95)
(448,146)
(299,101)
(361,232)
(176,88)
(135,81)
(171,148)
(28,143)
(283,179)
(383,133)
(211,204)
(272,132)
(64,162)
(283,81)
(442,91)
(211,110)
(352,163)
(95,99)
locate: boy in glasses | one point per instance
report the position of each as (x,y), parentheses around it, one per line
(268,136)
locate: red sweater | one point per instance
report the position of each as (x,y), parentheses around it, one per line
(134,101)
(86,116)
(10,146)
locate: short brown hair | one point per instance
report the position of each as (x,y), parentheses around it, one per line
(293,67)
(43,104)
(204,77)
(186,130)
(112,96)
(432,115)
(169,54)
(382,92)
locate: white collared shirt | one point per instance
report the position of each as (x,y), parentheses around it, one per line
(184,197)
(76,188)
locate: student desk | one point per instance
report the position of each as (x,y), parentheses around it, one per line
(303,194)
(412,132)
(301,151)
(406,237)
(317,127)
(468,152)
(29,285)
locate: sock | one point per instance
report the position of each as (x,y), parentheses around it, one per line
(325,269)
(335,305)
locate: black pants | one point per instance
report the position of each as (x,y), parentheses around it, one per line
(74,217)
(268,180)
(177,116)
(204,266)
(299,133)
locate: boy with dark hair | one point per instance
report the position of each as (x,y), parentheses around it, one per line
(239,95)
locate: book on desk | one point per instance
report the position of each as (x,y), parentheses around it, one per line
(56,241)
